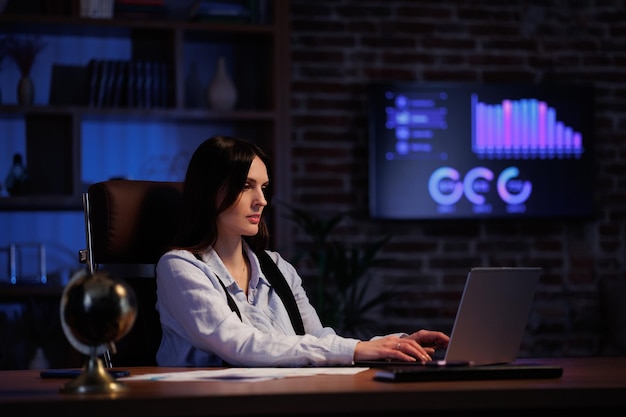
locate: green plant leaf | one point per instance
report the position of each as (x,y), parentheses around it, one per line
(343,296)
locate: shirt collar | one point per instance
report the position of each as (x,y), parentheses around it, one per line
(256,274)
(217,266)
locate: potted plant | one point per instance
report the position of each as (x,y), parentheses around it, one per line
(344,297)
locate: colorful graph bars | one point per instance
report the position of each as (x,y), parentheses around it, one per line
(521,128)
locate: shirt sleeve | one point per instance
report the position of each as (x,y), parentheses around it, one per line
(199,328)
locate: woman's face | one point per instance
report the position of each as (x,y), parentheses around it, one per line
(244,216)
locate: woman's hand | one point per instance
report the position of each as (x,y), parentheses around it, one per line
(418,346)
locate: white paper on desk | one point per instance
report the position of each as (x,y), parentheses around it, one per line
(243,374)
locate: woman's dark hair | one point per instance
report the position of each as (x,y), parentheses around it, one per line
(218,167)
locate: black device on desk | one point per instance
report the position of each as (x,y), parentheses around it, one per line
(468,372)
(73,373)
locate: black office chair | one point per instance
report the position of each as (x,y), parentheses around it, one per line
(128,225)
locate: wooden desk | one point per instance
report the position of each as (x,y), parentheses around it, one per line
(587,384)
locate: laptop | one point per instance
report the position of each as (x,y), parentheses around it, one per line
(489,325)
(492,315)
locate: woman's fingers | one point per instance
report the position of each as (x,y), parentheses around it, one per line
(412,349)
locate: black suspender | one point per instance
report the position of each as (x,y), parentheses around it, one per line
(229,299)
(278,281)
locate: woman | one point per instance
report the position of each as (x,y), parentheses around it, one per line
(216,304)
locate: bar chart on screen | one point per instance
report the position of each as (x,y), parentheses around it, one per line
(525,127)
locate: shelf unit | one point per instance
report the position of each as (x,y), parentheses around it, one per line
(260,69)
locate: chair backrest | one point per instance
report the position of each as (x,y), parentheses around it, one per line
(129,224)
(129,221)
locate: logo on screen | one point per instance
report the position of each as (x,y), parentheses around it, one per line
(446,187)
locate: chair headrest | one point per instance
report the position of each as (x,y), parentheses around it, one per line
(132,221)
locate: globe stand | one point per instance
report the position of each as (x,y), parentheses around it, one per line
(94,378)
(96,311)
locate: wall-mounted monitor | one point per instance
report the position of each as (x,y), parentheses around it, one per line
(464,151)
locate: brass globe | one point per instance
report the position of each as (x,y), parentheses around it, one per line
(96,311)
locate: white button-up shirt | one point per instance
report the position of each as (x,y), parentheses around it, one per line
(200,329)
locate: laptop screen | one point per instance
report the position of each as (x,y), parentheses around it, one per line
(492,314)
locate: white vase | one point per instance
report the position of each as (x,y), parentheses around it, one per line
(222,91)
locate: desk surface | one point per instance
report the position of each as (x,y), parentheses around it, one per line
(587,383)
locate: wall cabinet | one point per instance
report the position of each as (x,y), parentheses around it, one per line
(58,129)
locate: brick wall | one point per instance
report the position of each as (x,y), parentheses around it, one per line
(338,47)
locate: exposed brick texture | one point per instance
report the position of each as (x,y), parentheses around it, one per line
(339,46)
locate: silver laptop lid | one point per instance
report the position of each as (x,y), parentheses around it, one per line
(492,315)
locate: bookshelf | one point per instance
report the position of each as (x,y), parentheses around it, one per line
(258,53)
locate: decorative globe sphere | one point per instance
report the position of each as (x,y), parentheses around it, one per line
(96,310)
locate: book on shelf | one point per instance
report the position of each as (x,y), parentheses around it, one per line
(140,84)
(115,83)
(230,11)
(103,88)
(120,84)
(148,84)
(94,69)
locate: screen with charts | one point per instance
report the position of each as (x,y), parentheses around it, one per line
(441,151)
